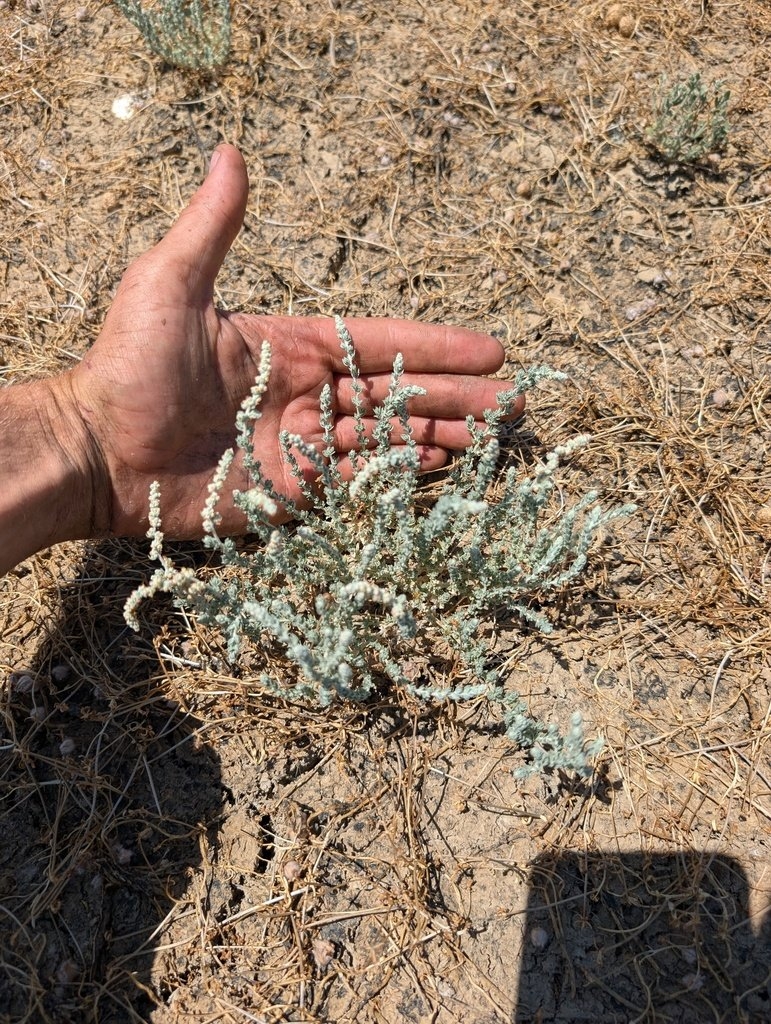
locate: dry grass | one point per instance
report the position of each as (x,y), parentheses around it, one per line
(203,853)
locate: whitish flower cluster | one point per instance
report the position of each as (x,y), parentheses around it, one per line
(369,582)
(189,33)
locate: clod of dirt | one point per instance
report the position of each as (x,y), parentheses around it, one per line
(653,275)
(639,309)
(763,515)
(525,188)
(626,26)
(613,15)
(323,953)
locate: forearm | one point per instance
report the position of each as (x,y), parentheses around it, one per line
(46,494)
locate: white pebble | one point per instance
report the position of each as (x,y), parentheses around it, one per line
(124,107)
(67,746)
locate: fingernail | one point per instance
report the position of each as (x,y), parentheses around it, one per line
(214,160)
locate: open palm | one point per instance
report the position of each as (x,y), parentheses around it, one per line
(160,389)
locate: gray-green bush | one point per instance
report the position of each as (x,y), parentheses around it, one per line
(691,121)
(368,586)
(188,33)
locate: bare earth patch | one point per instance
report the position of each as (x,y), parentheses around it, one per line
(176,847)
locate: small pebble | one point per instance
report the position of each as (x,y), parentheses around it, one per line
(24,683)
(414,301)
(722,398)
(81,14)
(639,309)
(122,855)
(67,971)
(67,746)
(626,26)
(763,515)
(291,870)
(124,107)
(60,673)
(37,715)
(524,188)
(539,938)
(500,276)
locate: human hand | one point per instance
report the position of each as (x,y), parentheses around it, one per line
(157,395)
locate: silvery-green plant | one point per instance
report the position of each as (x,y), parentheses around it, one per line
(368,583)
(188,33)
(691,121)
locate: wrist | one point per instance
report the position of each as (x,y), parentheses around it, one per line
(49,471)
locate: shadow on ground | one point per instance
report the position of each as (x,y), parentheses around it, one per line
(107,793)
(660,938)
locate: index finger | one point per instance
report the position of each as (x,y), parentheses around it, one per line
(426,348)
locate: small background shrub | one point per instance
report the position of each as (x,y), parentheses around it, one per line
(691,121)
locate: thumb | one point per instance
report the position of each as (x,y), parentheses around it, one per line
(202,235)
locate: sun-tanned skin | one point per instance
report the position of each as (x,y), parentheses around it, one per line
(157,395)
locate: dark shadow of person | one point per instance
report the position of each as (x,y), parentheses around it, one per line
(643,937)
(108,793)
